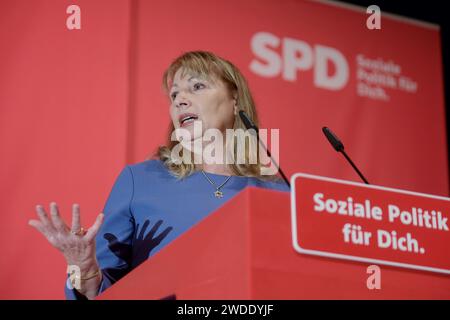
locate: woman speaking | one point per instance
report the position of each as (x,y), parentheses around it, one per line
(155,201)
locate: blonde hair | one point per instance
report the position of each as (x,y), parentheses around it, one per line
(208,65)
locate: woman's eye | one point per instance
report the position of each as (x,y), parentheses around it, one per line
(198,86)
(173,95)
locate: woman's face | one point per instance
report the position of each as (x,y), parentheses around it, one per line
(197,99)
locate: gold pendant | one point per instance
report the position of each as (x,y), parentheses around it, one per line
(218,194)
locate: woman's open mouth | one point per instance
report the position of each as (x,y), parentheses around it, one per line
(187,119)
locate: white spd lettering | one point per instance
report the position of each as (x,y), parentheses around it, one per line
(297,55)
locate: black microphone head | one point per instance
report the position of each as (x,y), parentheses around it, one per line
(333,139)
(246,120)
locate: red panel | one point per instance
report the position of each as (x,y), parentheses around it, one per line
(63,120)
(398,143)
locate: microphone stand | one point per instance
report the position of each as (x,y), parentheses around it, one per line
(250,125)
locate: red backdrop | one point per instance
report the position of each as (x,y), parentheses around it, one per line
(77,105)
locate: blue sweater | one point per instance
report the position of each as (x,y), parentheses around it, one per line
(148,208)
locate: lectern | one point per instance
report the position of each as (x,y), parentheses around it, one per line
(244,250)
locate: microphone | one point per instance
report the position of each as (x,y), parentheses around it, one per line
(248,123)
(339,147)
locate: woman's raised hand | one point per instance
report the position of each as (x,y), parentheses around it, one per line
(76,244)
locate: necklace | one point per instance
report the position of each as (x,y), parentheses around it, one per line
(217,193)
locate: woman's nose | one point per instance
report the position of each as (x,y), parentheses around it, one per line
(182,101)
